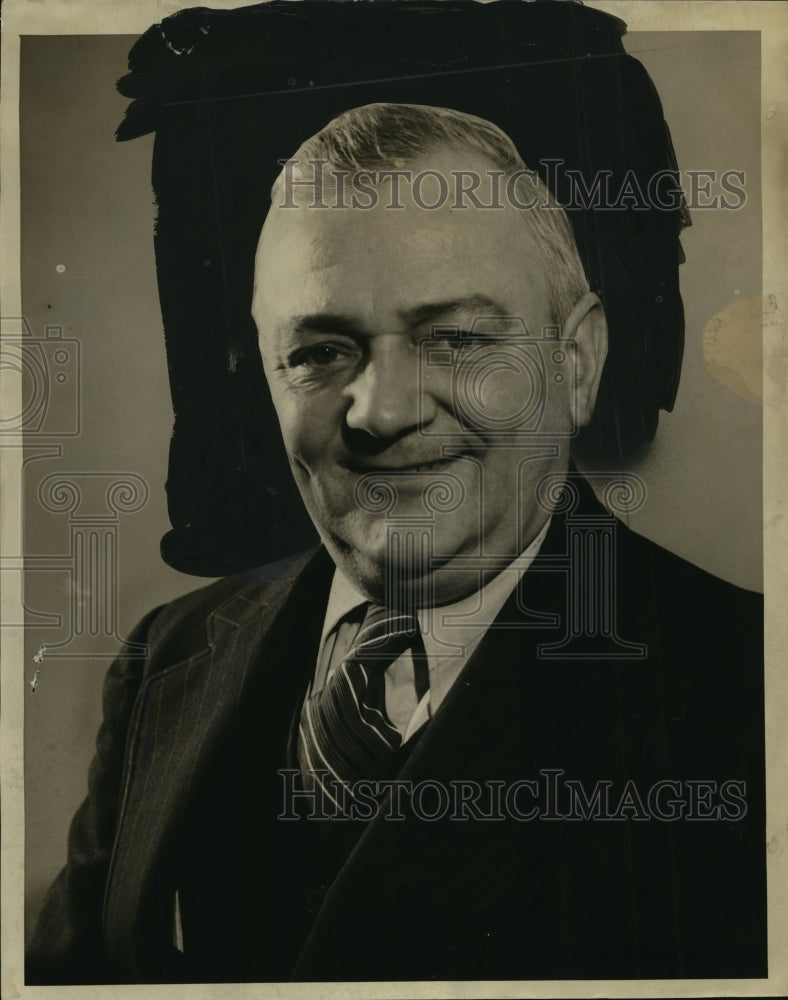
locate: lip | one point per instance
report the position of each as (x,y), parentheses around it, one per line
(424,465)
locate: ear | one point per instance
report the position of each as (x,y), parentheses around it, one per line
(586,325)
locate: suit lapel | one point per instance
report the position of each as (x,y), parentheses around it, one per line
(184,713)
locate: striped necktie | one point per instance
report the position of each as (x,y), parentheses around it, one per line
(344,729)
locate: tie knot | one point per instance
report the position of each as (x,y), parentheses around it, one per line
(384,634)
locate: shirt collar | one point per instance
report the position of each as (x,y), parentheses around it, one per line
(342,599)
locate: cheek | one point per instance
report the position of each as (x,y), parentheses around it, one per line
(513,389)
(307,423)
(501,392)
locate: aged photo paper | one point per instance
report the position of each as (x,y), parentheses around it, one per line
(86,419)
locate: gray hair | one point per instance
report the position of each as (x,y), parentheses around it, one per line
(384,136)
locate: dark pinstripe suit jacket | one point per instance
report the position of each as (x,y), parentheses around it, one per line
(184,797)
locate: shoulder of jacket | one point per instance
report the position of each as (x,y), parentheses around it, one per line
(674,581)
(181,622)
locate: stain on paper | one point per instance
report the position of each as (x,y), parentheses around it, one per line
(38,658)
(733,347)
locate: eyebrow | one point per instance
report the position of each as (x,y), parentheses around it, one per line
(326,323)
(480,305)
(476,303)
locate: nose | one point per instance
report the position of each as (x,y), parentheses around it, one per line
(386,397)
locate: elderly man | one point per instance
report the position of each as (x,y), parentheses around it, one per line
(484,731)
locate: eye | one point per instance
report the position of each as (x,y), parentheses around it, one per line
(457,340)
(322,359)
(318,357)
(464,344)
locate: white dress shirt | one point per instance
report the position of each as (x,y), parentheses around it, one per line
(450,632)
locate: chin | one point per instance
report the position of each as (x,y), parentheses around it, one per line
(397,576)
(408,590)
(386,567)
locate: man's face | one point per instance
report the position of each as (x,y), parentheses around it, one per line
(391,426)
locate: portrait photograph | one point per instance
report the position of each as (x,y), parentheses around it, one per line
(393,556)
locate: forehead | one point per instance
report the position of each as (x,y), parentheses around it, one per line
(384,260)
